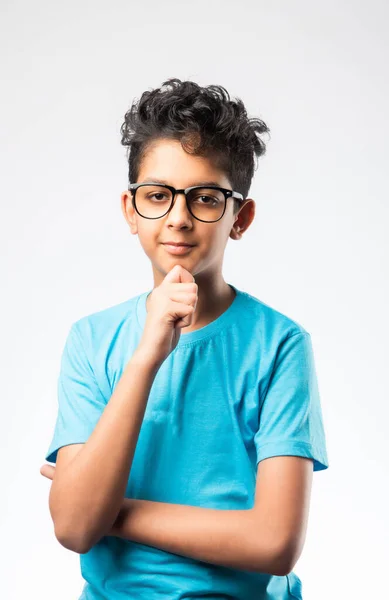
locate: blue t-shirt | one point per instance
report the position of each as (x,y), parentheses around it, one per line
(239,390)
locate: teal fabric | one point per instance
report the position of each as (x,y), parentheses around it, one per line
(239,390)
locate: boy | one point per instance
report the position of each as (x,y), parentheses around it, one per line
(189,420)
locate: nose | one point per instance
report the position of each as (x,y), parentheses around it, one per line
(182,210)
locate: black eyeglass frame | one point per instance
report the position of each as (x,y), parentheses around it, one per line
(132,187)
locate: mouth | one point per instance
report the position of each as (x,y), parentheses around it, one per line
(178,243)
(178,249)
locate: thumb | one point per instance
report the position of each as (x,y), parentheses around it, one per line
(178,274)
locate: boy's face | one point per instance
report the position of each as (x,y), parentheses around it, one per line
(167,161)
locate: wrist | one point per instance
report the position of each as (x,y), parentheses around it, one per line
(146,359)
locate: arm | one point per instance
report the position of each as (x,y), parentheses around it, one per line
(223,537)
(267,538)
(85,498)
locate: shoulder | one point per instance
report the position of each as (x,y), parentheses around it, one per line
(100,329)
(266,321)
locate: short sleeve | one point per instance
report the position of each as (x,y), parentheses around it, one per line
(80,401)
(290,417)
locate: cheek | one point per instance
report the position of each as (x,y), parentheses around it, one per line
(148,236)
(147,243)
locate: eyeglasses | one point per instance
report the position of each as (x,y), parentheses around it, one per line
(207,204)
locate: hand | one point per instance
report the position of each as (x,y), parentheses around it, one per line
(47,471)
(171,307)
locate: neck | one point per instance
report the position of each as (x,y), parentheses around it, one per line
(212,302)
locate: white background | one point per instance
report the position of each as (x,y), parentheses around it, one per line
(317,73)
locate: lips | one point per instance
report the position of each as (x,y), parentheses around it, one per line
(177,244)
(178,249)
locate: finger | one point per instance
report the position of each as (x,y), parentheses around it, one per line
(47,471)
(179,274)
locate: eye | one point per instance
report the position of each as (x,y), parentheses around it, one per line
(202,197)
(157,194)
(207,197)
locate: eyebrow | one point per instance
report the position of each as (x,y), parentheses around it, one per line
(153,179)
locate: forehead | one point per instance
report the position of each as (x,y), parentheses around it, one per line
(165,161)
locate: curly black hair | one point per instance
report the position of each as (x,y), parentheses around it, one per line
(204,120)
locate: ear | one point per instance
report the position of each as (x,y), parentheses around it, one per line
(129,211)
(243,219)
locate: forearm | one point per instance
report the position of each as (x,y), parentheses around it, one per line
(230,538)
(86,499)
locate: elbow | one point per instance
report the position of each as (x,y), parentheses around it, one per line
(71,536)
(278,560)
(77,544)
(62,531)
(282,567)
(285,559)
(79,533)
